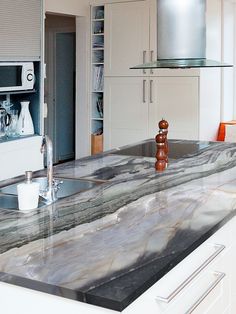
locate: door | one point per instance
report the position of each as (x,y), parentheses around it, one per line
(126,111)
(176,100)
(126,37)
(65,97)
(60,93)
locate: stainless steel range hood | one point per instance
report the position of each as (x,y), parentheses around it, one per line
(181,36)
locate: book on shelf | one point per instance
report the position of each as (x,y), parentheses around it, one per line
(98,78)
(100,107)
(98,45)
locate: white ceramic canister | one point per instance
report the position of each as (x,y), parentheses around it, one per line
(28,193)
(25,124)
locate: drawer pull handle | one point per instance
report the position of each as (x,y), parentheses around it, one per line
(151,60)
(144,91)
(151,91)
(219,277)
(144,60)
(173,294)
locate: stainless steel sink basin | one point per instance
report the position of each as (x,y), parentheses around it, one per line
(11,202)
(67,188)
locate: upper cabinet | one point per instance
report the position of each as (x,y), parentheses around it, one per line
(126,37)
(21,29)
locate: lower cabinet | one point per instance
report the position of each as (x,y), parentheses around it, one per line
(126,111)
(203,283)
(175,99)
(21,155)
(135,105)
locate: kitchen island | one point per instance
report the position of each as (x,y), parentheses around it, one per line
(106,246)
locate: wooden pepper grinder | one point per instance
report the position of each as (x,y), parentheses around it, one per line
(160,164)
(163,126)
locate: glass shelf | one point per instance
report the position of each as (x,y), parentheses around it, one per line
(98,20)
(31,91)
(6,139)
(181,63)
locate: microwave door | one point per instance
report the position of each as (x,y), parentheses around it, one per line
(10,78)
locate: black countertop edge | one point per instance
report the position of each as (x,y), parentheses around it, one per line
(178,257)
(91,298)
(42,287)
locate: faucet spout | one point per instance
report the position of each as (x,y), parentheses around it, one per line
(46,148)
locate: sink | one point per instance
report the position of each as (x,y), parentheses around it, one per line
(11,202)
(67,188)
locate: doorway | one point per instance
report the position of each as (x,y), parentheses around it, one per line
(60,55)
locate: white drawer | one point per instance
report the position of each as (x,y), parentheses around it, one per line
(187,282)
(225,235)
(210,294)
(208,290)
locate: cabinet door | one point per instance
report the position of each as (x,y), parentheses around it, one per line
(126,37)
(23,149)
(20,29)
(153,33)
(176,100)
(126,110)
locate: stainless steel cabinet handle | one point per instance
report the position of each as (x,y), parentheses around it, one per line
(151,91)
(144,91)
(219,277)
(144,60)
(151,59)
(219,249)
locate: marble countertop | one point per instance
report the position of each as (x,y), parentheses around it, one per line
(107,245)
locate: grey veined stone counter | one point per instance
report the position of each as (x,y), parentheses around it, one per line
(107,245)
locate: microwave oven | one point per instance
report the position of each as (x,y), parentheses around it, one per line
(16,76)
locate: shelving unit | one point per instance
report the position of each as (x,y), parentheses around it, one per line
(97,77)
(34,96)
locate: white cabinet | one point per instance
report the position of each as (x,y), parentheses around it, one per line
(22,37)
(126,37)
(126,110)
(21,155)
(190,99)
(135,105)
(203,283)
(20,29)
(135,100)
(176,100)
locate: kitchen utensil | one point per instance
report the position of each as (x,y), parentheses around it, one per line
(25,124)
(28,193)
(5,120)
(12,128)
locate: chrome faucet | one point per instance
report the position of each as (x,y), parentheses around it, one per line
(50,193)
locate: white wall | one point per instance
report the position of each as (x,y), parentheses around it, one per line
(228,51)
(71,7)
(74,7)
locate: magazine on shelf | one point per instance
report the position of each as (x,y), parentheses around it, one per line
(100,107)
(98,79)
